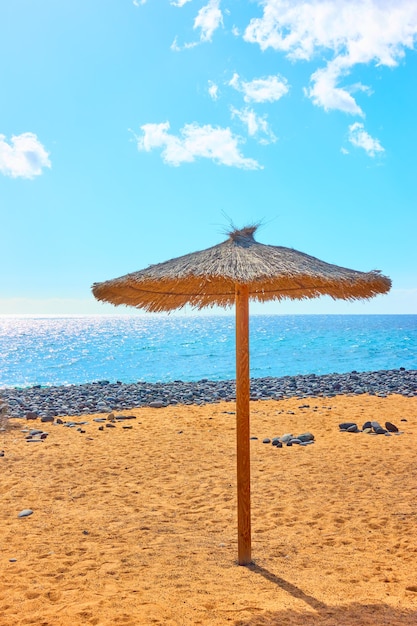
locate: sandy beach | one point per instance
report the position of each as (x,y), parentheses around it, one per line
(137,525)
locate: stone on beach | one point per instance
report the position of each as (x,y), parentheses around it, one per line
(345,426)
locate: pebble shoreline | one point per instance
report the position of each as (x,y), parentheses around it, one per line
(104,396)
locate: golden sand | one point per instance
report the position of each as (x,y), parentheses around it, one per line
(138,526)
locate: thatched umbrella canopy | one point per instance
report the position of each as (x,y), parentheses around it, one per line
(235,271)
(208,278)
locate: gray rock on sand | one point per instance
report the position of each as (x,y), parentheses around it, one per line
(379,430)
(266,440)
(47,418)
(392,428)
(306,437)
(344,426)
(25,513)
(156,404)
(353,429)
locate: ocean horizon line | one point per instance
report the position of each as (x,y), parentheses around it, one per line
(199,314)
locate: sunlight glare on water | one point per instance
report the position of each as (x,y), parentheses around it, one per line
(47,350)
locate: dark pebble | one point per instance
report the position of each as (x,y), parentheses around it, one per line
(379,430)
(156,404)
(367,425)
(47,418)
(31,415)
(266,440)
(346,425)
(110,425)
(352,429)
(392,428)
(306,437)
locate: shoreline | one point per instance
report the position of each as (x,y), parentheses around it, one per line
(106,397)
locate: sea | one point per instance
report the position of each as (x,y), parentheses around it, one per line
(68,350)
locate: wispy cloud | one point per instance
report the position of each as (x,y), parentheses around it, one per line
(213,90)
(208,20)
(23,157)
(256,125)
(359,138)
(179,3)
(355,32)
(214,143)
(267,89)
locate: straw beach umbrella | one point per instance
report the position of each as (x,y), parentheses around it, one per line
(233,272)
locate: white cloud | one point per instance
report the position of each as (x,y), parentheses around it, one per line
(359,138)
(256,125)
(179,3)
(208,19)
(267,89)
(214,143)
(213,90)
(139,3)
(23,157)
(325,92)
(358,31)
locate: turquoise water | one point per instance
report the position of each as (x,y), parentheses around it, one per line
(79,349)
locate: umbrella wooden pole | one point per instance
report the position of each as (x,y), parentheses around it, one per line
(242,424)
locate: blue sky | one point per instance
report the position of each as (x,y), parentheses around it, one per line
(133,132)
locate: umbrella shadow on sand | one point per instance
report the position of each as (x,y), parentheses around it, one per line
(354,614)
